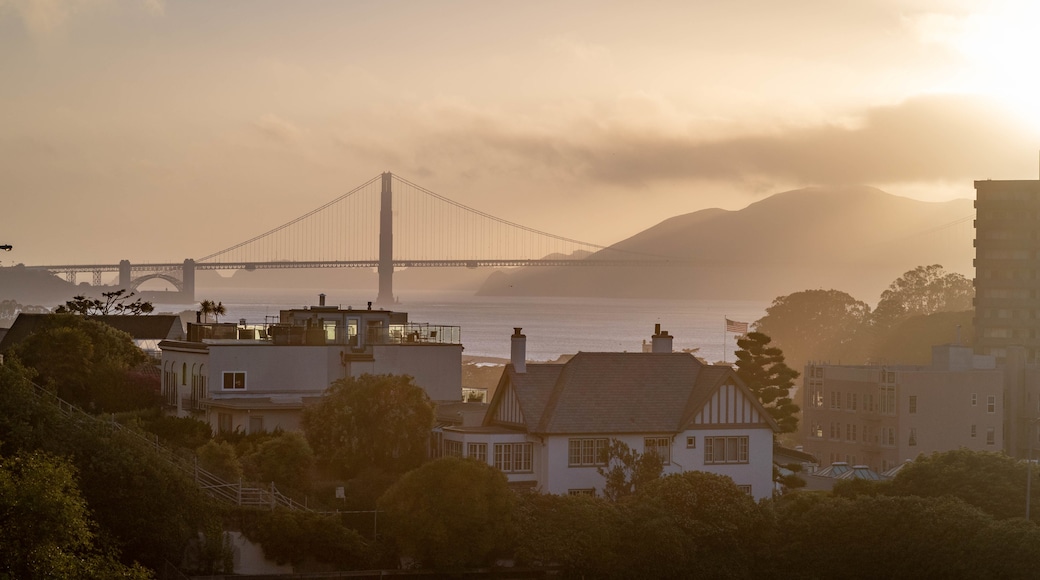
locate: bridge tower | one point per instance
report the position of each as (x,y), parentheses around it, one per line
(125,278)
(188,280)
(386,244)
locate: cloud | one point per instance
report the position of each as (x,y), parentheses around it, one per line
(928,138)
(277,129)
(43,18)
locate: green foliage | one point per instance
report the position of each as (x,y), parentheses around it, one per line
(991,482)
(823,325)
(581,534)
(149,507)
(450,514)
(625,470)
(923,290)
(115,302)
(85,361)
(882,537)
(285,460)
(694,524)
(45,526)
(220,459)
(25,422)
(762,368)
(299,537)
(179,432)
(380,421)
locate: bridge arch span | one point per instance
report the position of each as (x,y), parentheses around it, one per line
(136,282)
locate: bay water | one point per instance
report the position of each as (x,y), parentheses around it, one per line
(554,326)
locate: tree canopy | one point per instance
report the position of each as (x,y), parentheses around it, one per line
(923,290)
(45,525)
(625,470)
(822,325)
(115,302)
(762,368)
(87,362)
(450,513)
(380,421)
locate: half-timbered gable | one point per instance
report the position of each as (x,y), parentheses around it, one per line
(726,403)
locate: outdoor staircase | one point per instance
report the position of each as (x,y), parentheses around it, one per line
(240,494)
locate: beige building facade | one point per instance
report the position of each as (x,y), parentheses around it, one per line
(880,416)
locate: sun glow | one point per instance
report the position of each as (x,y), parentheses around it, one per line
(1001,49)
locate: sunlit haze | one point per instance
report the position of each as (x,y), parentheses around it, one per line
(158,131)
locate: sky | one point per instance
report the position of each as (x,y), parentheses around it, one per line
(155,130)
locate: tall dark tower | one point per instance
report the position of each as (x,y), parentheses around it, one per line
(386,244)
(1007,268)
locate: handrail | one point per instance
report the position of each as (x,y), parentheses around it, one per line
(207,482)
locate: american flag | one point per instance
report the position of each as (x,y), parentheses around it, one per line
(737,327)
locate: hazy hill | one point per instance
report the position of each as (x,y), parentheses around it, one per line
(856,239)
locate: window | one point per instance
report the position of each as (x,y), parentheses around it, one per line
(184,373)
(477,451)
(835,400)
(235,380)
(256,424)
(725,450)
(913,437)
(745,488)
(691,442)
(991,436)
(974,432)
(452,448)
(816,430)
(816,395)
(850,401)
(868,403)
(887,400)
(224,422)
(513,457)
(850,432)
(591,491)
(913,404)
(662,446)
(586,452)
(991,404)
(974,399)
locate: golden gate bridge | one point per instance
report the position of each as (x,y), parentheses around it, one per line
(385,223)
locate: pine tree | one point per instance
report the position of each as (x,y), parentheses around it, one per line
(763,370)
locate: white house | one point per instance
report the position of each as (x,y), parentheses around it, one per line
(257,377)
(547,423)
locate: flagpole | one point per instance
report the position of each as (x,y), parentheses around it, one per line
(725,336)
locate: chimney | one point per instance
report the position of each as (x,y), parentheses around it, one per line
(518,351)
(321,299)
(370,306)
(661,341)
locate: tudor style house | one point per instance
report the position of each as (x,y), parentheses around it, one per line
(258,377)
(548,423)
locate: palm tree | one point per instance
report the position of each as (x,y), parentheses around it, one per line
(219,311)
(207,307)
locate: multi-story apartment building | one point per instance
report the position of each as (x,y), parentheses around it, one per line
(259,377)
(881,416)
(1007,300)
(1007,267)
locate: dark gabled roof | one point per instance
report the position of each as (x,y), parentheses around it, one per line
(613,393)
(144,327)
(620,393)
